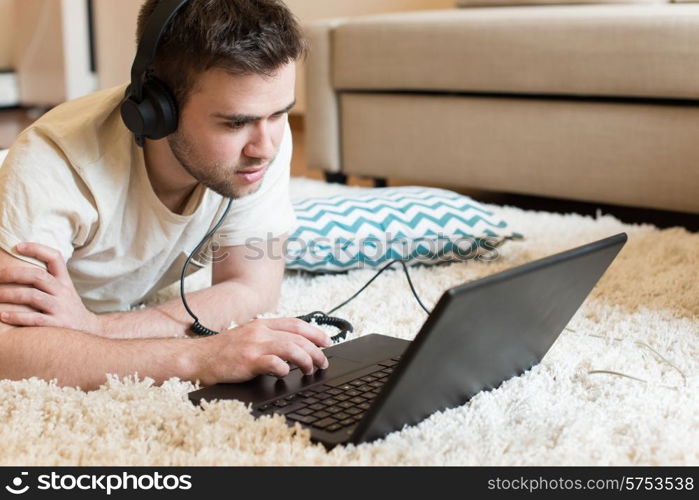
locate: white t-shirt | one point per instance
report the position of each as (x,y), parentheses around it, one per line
(76,181)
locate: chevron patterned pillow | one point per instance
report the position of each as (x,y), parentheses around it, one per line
(415,224)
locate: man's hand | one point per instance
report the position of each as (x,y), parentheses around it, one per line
(50,293)
(262,346)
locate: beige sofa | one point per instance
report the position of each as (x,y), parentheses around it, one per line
(587,102)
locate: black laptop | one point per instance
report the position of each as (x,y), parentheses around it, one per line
(478,335)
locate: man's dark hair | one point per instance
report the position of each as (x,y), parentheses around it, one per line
(240,36)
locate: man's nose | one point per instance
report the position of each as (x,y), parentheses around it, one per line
(260,144)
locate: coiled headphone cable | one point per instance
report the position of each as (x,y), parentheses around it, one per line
(317,317)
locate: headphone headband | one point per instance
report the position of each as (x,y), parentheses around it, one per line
(149,109)
(155,27)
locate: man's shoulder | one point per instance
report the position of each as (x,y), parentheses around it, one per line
(87,128)
(81,142)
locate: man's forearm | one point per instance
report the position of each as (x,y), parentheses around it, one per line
(82,360)
(216,307)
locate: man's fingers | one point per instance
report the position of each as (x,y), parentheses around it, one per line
(52,257)
(33,276)
(272,365)
(300,327)
(314,352)
(28,297)
(25,319)
(293,353)
(305,336)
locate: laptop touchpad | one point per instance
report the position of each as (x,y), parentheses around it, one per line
(338,366)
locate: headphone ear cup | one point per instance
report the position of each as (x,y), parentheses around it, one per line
(155,116)
(131,114)
(159,109)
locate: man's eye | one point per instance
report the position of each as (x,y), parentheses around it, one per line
(235,125)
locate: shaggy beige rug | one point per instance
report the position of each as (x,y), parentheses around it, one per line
(618,387)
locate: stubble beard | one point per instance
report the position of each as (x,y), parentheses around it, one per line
(215,176)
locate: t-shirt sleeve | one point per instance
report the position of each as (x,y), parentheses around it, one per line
(267,213)
(42,199)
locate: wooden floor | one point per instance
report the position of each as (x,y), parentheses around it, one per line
(13,121)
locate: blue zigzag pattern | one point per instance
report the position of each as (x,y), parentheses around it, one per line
(394,197)
(383,224)
(367,218)
(385,194)
(420,255)
(374,241)
(402,197)
(318,210)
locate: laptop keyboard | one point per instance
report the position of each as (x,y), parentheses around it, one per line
(333,405)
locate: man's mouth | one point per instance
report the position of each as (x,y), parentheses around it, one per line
(251,175)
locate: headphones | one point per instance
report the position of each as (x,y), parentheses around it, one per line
(149,108)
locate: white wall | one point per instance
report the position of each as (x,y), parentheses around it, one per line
(7,42)
(51,51)
(39,58)
(116,23)
(310,10)
(115,44)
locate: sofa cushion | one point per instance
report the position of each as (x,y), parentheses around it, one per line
(417,225)
(509,3)
(593,50)
(630,153)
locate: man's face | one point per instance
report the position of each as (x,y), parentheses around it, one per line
(231,128)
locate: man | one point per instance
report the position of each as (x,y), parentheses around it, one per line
(91,224)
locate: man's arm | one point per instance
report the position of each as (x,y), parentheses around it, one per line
(81,359)
(84,360)
(246,281)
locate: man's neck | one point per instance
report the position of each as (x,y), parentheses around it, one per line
(170,181)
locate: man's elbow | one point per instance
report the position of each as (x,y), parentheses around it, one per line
(269,301)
